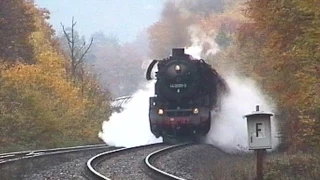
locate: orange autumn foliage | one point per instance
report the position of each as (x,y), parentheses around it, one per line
(39,106)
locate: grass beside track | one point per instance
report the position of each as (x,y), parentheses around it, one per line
(280,166)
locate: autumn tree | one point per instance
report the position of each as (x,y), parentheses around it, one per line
(39,106)
(16,25)
(276,43)
(278,46)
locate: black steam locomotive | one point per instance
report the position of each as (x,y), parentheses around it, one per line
(186,91)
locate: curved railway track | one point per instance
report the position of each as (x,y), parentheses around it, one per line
(152,157)
(150,169)
(16,165)
(13,156)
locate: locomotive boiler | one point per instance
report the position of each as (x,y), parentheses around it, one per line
(186,92)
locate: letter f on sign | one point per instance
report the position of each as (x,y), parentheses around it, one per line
(258,129)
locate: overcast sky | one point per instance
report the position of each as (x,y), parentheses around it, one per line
(123,18)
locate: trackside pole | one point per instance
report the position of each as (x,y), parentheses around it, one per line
(259,136)
(260,153)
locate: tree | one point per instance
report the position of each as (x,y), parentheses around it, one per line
(39,106)
(279,46)
(16,25)
(77,52)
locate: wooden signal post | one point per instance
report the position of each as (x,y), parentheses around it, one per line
(259,136)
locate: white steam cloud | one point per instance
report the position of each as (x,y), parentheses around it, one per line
(131,127)
(228,128)
(200,39)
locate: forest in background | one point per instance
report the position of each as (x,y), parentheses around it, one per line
(277,43)
(56,87)
(116,66)
(47,97)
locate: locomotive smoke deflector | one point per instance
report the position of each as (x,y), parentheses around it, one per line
(148,74)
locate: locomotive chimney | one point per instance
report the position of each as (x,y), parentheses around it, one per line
(178,52)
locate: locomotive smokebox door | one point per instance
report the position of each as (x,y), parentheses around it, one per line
(259,130)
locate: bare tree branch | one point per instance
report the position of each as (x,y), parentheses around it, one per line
(81,49)
(77,52)
(66,35)
(85,52)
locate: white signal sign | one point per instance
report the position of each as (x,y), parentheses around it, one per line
(259,130)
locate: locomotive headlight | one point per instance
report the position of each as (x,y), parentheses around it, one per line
(177,68)
(195,111)
(160,111)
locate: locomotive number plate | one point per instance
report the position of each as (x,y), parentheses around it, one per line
(178,85)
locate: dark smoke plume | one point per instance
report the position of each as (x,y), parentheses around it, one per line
(170,31)
(203,7)
(176,19)
(177,24)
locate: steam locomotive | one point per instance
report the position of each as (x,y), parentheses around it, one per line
(186,92)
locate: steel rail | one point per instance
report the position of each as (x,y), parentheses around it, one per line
(97,159)
(15,167)
(53,149)
(13,156)
(151,158)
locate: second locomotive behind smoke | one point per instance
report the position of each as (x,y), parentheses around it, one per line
(186,91)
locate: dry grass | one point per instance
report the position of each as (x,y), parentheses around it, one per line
(277,166)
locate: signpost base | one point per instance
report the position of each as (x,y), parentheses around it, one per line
(260,153)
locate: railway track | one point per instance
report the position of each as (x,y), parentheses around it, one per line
(93,164)
(13,156)
(16,165)
(152,158)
